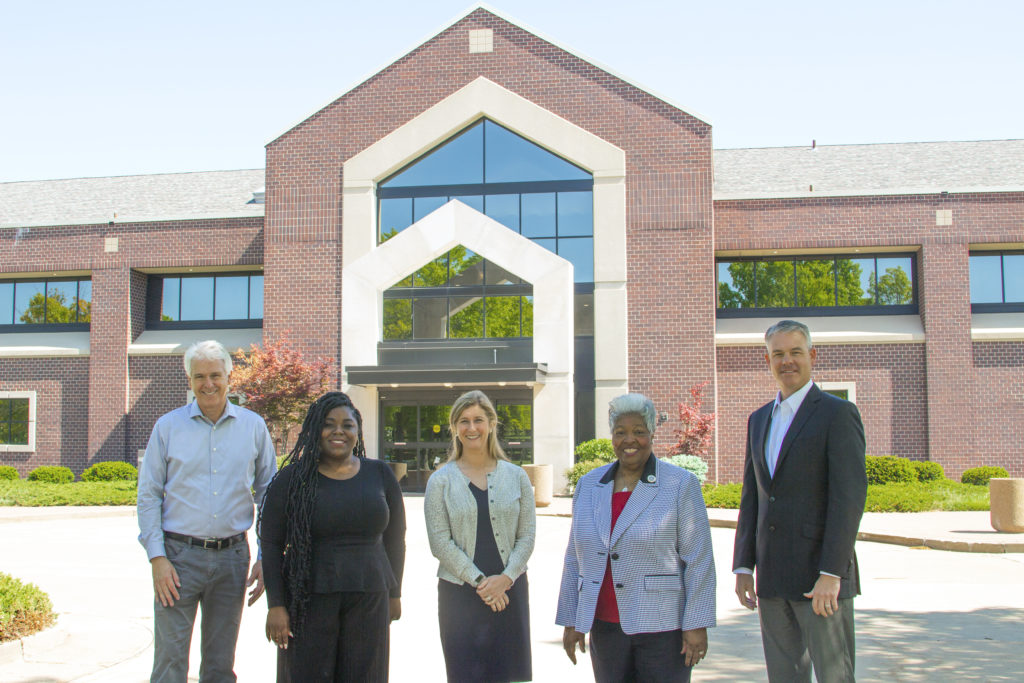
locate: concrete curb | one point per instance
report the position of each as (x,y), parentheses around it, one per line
(916,542)
(15,650)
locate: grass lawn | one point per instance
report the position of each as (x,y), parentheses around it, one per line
(37,494)
(943,494)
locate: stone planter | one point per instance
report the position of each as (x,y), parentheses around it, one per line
(399,468)
(541,476)
(1006,504)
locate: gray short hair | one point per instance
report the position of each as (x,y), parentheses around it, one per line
(784,326)
(632,404)
(207,350)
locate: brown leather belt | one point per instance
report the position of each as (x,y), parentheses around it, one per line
(207,543)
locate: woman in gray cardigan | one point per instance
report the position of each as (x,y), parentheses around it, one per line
(481,524)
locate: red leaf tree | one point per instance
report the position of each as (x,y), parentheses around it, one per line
(279,384)
(697,427)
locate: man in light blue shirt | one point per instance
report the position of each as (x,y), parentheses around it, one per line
(206,466)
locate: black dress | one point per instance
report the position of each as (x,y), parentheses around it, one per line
(482,646)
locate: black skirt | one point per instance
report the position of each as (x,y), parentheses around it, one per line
(480,645)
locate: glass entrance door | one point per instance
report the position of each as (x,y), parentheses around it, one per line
(415,431)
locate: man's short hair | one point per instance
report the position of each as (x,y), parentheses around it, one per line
(784,326)
(207,350)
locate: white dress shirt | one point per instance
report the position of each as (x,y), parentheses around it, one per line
(783,413)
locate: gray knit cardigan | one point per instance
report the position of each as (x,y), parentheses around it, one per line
(450,512)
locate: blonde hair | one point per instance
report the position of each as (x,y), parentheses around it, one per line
(468,400)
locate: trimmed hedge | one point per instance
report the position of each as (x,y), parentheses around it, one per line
(596,449)
(41,494)
(979,476)
(111,471)
(8,473)
(889,469)
(927,470)
(723,496)
(52,474)
(691,463)
(24,608)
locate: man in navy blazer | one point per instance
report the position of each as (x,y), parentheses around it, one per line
(804,487)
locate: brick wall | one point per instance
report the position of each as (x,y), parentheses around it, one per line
(157,386)
(890,386)
(996,406)
(61,385)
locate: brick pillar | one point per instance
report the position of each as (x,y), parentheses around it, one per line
(108,363)
(946,314)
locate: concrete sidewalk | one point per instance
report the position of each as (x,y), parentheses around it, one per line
(925,615)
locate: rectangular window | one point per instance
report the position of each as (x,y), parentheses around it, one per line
(17,421)
(823,285)
(27,303)
(191,301)
(997,281)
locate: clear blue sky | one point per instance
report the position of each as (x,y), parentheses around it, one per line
(117,87)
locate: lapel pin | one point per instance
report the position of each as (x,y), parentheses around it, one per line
(651,479)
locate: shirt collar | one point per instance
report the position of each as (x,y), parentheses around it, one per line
(795,399)
(649,475)
(230,410)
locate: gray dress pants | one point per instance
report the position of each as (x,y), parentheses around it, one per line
(214,580)
(795,638)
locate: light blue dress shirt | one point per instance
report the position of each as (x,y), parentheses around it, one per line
(782,417)
(203,479)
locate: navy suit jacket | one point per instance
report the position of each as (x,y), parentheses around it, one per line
(804,520)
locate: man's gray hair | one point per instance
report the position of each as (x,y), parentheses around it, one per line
(207,350)
(784,326)
(632,404)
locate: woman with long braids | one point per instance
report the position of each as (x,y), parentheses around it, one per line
(481,524)
(332,528)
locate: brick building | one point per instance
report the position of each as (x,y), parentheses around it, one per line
(493,210)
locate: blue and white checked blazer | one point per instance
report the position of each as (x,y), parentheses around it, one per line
(662,564)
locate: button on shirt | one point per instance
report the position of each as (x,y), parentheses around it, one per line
(783,413)
(203,479)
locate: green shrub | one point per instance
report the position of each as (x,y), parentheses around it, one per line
(723,496)
(691,463)
(8,472)
(41,494)
(52,474)
(889,469)
(24,609)
(979,476)
(579,469)
(111,471)
(596,449)
(941,494)
(928,471)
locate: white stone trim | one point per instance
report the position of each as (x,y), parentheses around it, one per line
(997,327)
(851,329)
(44,344)
(849,387)
(607,163)
(365,279)
(176,342)
(31,446)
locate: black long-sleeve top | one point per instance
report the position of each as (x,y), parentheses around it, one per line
(358,530)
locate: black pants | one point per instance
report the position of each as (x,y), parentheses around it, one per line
(345,638)
(638,658)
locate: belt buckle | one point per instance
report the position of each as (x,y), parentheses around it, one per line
(211,544)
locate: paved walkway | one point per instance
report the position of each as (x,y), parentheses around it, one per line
(925,614)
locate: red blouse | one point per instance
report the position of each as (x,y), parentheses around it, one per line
(607,606)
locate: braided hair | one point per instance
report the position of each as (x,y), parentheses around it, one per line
(300,501)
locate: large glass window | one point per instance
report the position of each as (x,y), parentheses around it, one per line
(231,299)
(848,284)
(507,177)
(997,280)
(460,295)
(45,302)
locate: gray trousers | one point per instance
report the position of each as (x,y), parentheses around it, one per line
(214,579)
(795,638)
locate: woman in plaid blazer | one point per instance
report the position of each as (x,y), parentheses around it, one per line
(639,574)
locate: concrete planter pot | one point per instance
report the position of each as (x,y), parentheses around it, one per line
(399,468)
(1006,504)
(541,476)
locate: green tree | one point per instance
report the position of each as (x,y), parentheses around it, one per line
(55,309)
(893,288)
